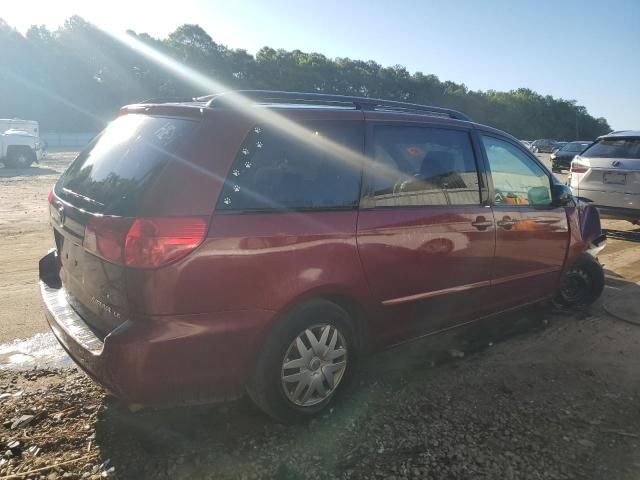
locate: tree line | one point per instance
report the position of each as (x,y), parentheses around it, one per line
(74,79)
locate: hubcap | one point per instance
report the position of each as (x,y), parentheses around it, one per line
(314,365)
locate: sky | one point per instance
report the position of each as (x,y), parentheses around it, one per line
(586,50)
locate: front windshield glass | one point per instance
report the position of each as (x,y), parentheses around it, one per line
(575,147)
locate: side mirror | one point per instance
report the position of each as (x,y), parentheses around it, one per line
(539,197)
(561,195)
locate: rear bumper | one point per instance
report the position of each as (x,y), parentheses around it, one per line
(159,360)
(611,204)
(631,214)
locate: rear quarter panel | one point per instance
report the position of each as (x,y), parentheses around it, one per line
(265,261)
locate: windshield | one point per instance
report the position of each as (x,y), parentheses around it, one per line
(574,147)
(114,170)
(615,148)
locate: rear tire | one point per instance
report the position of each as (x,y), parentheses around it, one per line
(582,284)
(19,157)
(304,362)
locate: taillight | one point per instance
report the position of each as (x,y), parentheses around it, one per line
(153,242)
(50,197)
(578,165)
(143,242)
(105,236)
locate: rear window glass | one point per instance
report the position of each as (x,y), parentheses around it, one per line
(111,174)
(316,170)
(615,148)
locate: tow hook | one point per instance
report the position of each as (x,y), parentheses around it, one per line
(596,245)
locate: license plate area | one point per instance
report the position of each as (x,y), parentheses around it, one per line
(614,178)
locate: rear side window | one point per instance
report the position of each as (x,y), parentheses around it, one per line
(614,148)
(416,166)
(112,173)
(280,171)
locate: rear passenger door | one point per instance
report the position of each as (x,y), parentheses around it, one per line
(425,239)
(532,235)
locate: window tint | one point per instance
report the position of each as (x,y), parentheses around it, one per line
(277,171)
(423,166)
(111,174)
(517,179)
(615,148)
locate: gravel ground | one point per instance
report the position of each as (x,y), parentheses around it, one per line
(557,400)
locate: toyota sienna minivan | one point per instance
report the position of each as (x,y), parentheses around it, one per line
(261,242)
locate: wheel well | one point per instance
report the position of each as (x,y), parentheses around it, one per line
(358,317)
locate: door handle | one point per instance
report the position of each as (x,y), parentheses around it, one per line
(507,223)
(481,223)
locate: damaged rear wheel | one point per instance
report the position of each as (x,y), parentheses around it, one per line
(582,284)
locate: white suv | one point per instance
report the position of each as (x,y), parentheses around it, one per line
(608,173)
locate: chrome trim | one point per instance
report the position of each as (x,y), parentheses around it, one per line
(67,320)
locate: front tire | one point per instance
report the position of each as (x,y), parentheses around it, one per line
(304,362)
(582,284)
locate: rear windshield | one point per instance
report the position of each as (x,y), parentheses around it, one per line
(111,174)
(615,148)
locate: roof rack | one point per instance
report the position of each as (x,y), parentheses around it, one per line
(359,103)
(167,100)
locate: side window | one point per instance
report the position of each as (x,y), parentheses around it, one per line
(422,166)
(517,179)
(274,170)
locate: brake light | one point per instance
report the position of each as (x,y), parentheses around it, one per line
(578,165)
(105,236)
(50,197)
(153,242)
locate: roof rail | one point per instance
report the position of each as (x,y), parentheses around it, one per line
(360,103)
(167,100)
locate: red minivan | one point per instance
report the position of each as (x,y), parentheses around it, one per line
(261,242)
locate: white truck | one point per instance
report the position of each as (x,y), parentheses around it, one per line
(20,144)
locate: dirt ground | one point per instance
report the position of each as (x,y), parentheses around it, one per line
(25,236)
(540,393)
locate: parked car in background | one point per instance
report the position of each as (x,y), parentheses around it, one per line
(526,143)
(559,145)
(209,248)
(561,158)
(608,174)
(542,146)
